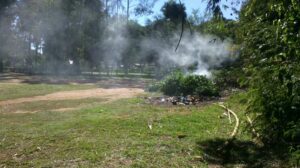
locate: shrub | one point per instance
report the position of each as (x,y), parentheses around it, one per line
(154,87)
(177,84)
(228,78)
(172,85)
(198,85)
(271,55)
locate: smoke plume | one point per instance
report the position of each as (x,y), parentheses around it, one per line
(41,23)
(203,51)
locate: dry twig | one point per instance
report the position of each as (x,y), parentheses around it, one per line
(252,127)
(237,121)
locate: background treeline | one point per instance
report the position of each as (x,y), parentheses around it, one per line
(75,36)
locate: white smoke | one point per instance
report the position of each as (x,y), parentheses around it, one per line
(48,19)
(203,50)
(114,42)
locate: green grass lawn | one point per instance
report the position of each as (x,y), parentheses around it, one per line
(12,91)
(117,134)
(56,105)
(110,135)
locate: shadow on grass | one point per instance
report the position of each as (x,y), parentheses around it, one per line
(244,153)
(130,81)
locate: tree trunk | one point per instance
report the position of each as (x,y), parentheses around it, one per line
(106,11)
(36,57)
(1,64)
(107,70)
(76,65)
(126,69)
(142,67)
(29,58)
(128,3)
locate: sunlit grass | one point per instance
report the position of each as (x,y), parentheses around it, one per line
(115,134)
(12,91)
(47,105)
(123,133)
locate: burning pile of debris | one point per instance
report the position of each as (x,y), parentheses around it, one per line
(179,100)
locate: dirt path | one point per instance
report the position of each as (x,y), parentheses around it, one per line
(109,94)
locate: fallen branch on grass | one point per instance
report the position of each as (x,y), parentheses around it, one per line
(252,127)
(234,132)
(237,121)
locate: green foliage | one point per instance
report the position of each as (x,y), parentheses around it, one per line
(271,52)
(198,85)
(172,85)
(154,87)
(295,155)
(4,4)
(174,11)
(229,74)
(224,29)
(177,84)
(216,7)
(227,78)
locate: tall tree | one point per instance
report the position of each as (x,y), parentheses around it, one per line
(83,32)
(4,27)
(173,11)
(77,36)
(216,7)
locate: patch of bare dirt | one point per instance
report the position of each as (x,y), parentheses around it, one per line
(111,94)
(111,89)
(24,112)
(66,109)
(55,110)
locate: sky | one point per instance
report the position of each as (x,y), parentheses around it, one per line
(189,4)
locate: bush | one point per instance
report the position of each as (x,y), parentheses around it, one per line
(228,78)
(172,85)
(154,87)
(177,84)
(198,85)
(271,57)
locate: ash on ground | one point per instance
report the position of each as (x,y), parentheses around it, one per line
(179,100)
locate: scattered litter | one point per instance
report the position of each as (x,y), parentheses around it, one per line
(199,158)
(179,100)
(150,126)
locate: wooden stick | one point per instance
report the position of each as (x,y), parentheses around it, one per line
(252,128)
(229,116)
(237,121)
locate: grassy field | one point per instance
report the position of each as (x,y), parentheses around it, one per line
(12,91)
(117,134)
